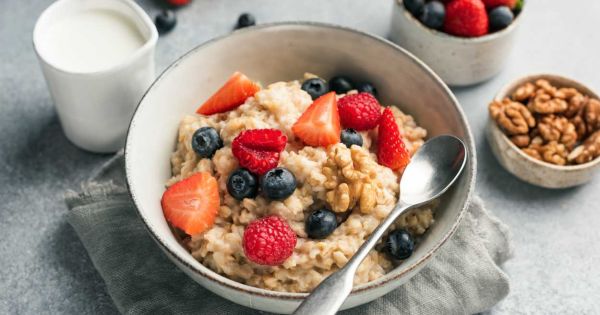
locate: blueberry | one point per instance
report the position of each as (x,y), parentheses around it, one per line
(500,18)
(366,87)
(350,136)
(320,224)
(399,244)
(245,20)
(433,15)
(165,21)
(278,183)
(242,184)
(340,84)
(315,87)
(206,142)
(414,6)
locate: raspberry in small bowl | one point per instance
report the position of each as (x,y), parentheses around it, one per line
(464,41)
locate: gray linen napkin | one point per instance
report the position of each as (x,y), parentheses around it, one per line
(463,278)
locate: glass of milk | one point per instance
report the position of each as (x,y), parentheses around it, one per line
(98,60)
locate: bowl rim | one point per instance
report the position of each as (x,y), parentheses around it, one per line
(390,276)
(505,91)
(458,39)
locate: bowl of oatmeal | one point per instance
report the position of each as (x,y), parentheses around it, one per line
(291,150)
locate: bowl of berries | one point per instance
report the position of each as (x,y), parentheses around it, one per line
(261,161)
(464,41)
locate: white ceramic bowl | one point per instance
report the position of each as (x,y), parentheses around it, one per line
(278,52)
(524,166)
(459,61)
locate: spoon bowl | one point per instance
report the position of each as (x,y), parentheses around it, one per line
(432,170)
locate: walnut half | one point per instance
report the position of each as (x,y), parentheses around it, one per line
(558,128)
(592,114)
(513,117)
(588,151)
(351,179)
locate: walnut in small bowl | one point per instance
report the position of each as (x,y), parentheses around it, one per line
(545,129)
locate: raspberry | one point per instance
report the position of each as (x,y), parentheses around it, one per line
(359,111)
(258,149)
(466,18)
(269,241)
(391,151)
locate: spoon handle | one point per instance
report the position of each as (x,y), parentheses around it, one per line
(328,296)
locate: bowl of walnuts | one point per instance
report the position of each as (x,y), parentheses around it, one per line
(545,129)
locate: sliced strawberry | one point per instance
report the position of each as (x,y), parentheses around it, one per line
(391,151)
(319,125)
(192,204)
(231,95)
(258,150)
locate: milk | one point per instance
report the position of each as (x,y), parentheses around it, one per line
(90,40)
(98,59)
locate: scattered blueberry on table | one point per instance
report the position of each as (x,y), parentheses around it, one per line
(278,183)
(245,20)
(206,141)
(165,21)
(242,184)
(320,224)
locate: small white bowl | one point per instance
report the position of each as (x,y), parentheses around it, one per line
(279,52)
(459,61)
(524,166)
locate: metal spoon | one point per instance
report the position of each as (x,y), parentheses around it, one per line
(433,169)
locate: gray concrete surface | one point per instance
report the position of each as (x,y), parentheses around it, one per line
(44,268)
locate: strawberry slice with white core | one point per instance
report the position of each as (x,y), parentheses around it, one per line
(231,95)
(192,204)
(319,125)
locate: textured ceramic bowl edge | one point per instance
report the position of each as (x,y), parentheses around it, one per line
(527,168)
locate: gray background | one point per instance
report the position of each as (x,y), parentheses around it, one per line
(44,268)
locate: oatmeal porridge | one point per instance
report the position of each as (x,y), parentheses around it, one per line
(281,156)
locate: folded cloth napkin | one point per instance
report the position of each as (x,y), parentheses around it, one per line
(463,278)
